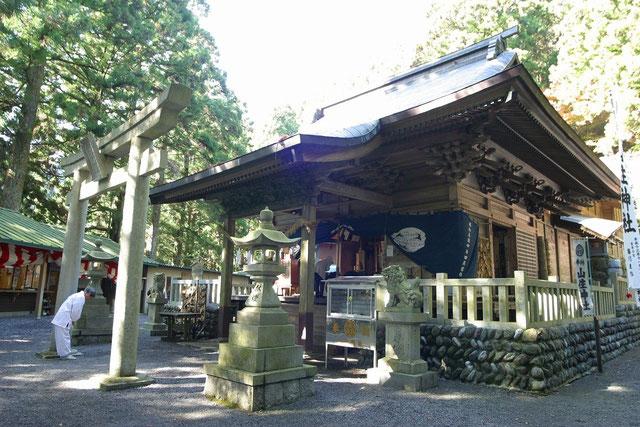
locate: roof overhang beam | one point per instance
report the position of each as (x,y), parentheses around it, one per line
(352,192)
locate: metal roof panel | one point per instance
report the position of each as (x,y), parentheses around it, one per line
(18,229)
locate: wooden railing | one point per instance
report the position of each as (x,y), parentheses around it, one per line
(551,302)
(511,302)
(240,290)
(604,301)
(213,290)
(621,290)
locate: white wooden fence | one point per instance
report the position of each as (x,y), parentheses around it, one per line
(213,290)
(622,288)
(511,302)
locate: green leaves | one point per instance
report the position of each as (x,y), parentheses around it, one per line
(576,51)
(599,51)
(285,122)
(104,60)
(459,23)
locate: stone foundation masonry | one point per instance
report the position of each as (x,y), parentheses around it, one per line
(535,359)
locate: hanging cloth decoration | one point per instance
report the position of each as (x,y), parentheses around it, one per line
(19,256)
(445,242)
(344,233)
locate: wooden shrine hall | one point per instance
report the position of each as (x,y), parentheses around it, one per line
(468,141)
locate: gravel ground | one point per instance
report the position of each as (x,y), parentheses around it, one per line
(55,392)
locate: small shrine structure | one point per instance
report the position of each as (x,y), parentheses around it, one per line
(460,167)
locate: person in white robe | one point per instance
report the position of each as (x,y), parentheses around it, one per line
(69,312)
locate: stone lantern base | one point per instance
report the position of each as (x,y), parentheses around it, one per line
(256,391)
(402,366)
(154,323)
(95,324)
(260,367)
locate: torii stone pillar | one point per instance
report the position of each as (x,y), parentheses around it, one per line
(72,249)
(73,238)
(124,342)
(133,140)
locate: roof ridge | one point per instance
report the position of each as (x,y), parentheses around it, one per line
(495,43)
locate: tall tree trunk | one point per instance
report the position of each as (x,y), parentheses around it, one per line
(180,239)
(181,236)
(16,173)
(155,221)
(116,218)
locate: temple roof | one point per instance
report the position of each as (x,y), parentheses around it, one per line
(479,78)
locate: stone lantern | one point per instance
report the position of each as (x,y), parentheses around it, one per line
(261,366)
(197,271)
(263,245)
(95,324)
(155,303)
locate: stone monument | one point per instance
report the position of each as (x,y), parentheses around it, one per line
(96,323)
(402,367)
(155,302)
(261,366)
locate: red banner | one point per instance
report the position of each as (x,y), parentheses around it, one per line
(19,256)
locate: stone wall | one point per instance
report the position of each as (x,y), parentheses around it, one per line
(532,359)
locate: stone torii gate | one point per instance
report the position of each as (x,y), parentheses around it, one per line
(93,174)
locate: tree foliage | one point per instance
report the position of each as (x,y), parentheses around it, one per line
(285,122)
(599,52)
(103,61)
(576,51)
(459,23)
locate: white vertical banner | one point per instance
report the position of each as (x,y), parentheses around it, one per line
(629,218)
(630,228)
(636,296)
(582,268)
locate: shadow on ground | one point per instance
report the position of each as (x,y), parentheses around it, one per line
(60,392)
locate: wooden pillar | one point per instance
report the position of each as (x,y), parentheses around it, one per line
(522,299)
(472,309)
(226,281)
(42,284)
(457,302)
(307,270)
(442,297)
(487,304)
(493,258)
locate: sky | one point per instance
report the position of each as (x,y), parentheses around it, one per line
(309,54)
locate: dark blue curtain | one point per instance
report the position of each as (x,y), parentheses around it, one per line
(445,242)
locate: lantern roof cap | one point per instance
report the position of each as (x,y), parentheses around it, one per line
(98,254)
(265,234)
